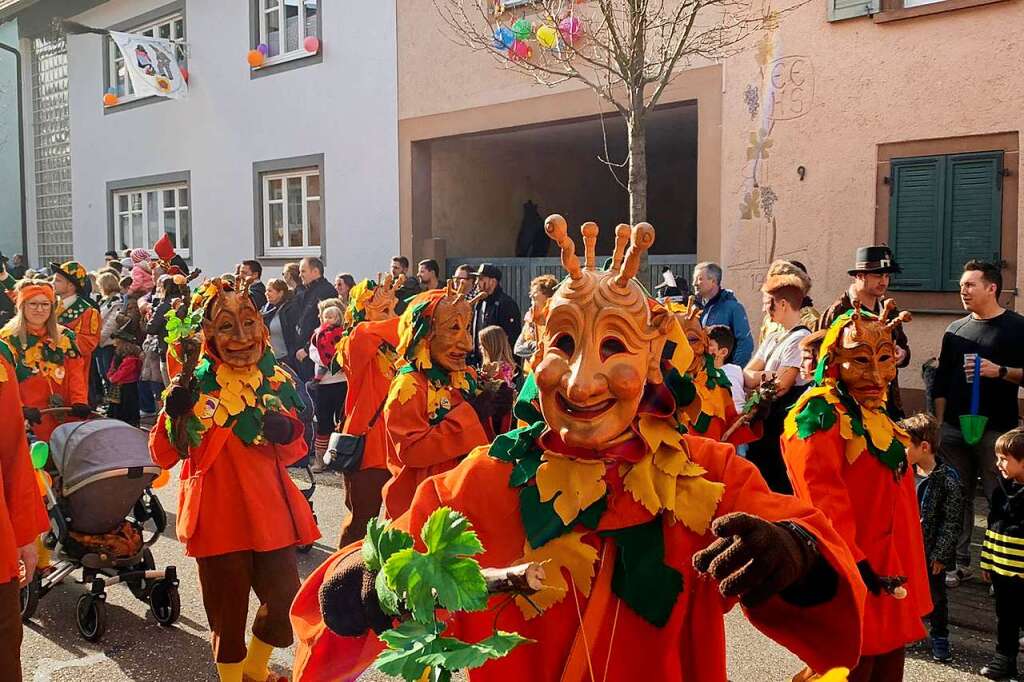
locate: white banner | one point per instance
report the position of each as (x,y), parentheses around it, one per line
(152,65)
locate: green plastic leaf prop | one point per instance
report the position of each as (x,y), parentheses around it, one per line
(442,577)
(40,452)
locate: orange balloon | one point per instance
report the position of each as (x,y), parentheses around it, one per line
(109,99)
(255,58)
(44,480)
(161,480)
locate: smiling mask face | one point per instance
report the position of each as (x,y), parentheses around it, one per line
(451,338)
(866,358)
(234,330)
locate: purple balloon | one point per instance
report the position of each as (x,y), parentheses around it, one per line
(263,49)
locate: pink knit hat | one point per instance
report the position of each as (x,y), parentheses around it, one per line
(139,255)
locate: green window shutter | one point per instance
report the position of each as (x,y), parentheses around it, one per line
(915,220)
(848,9)
(973,212)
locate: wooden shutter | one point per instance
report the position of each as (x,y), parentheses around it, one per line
(916,219)
(848,9)
(973,212)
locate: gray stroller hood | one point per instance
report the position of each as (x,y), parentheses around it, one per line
(104,466)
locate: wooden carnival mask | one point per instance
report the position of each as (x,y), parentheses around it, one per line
(381,305)
(602,342)
(451,328)
(866,356)
(234,330)
(689,320)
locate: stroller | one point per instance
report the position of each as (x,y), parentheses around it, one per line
(99,504)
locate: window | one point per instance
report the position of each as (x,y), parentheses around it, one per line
(284,25)
(943,211)
(292,213)
(171,27)
(144,214)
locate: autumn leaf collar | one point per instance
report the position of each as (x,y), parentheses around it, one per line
(41,354)
(440,385)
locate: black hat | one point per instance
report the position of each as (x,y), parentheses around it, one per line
(875,259)
(488,270)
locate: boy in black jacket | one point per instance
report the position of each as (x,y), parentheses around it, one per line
(1002,556)
(940,498)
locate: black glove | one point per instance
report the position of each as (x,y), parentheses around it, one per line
(278,428)
(348,599)
(754,559)
(179,401)
(80,410)
(32,415)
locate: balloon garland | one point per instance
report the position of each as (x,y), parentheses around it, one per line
(514,39)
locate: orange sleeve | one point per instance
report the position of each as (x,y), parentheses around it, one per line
(160,448)
(418,443)
(815,467)
(364,394)
(88,334)
(77,371)
(21,493)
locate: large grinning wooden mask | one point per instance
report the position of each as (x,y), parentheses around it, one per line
(451,334)
(866,355)
(233,329)
(602,342)
(381,305)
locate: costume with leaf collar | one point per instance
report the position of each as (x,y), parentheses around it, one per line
(429,421)
(83,319)
(850,462)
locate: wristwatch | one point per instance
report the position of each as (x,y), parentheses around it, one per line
(1002,371)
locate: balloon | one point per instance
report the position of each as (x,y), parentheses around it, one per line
(523,29)
(44,481)
(255,58)
(184,73)
(570,29)
(505,36)
(519,50)
(40,452)
(547,36)
(263,49)
(312,44)
(161,480)
(109,100)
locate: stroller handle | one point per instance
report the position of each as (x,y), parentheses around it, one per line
(66,411)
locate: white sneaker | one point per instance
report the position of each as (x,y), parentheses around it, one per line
(960,575)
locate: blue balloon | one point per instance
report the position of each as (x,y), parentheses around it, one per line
(505,36)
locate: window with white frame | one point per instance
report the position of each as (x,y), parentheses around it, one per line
(142,215)
(291,213)
(284,26)
(171,27)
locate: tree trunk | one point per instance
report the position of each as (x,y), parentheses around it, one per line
(637,138)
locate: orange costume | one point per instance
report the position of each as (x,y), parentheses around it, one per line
(625,515)
(77,312)
(429,420)
(847,458)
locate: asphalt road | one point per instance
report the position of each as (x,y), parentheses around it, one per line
(137,648)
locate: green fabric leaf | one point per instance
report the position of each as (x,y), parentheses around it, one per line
(516,443)
(542,523)
(248,425)
(701,424)
(267,362)
(524,470)
(380,543)
(681,386)
(641,578)
(289,396)
(894,458)
(817,415)
(206,377)
(525,407)
(591,516)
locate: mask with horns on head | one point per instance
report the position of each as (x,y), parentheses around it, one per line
(233,330)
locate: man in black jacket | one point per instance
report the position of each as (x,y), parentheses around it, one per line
(315,289)
(497,308)
(252,271)
(411,286)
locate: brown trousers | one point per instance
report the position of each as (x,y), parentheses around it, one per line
(226,580)
(887,667)
(363,499)
(10,631)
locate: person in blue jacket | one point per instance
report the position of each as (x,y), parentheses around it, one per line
(721,307)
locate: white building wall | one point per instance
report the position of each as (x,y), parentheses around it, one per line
(344,108)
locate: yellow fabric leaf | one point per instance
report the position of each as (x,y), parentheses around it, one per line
(696,501)
(221,415)
(640,483)
(3,373)
(855,447)
(845,426)
(658,430)
(422,355)
(232,403)
(567,552)
(676,462)
(879,426)
(402,388)
(384,365)
(576,483)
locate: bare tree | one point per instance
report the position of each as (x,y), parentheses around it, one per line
(627,51)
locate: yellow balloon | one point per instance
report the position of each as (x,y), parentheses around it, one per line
(547,36)
(161,480)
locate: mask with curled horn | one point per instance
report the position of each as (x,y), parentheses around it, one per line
(233,330)
(688,316)
(435,329)
(602,343)
(384,299)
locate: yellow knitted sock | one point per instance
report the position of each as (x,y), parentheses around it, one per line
(230,672)
(44,554)
(258,658)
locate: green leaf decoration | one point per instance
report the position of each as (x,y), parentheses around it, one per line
(524,470)
(267,363)
(701,424)
(525,407)
(817,415)
(641,578)
(380,543)
(543,524)
(456,655)
(406,644)
(413,647)
(517,443)
(248,425)
(289,396)
(682,388)
(206,377)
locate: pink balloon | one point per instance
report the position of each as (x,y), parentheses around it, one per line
(570,28)
(312,44)
(519,50)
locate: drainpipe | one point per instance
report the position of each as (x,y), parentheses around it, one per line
(21,146)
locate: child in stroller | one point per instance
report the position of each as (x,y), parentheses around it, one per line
(99,499)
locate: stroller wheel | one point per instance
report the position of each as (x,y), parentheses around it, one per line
(92,617)
(30,598)
(165,602)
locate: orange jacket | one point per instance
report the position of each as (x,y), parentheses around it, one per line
(236,497)
(420,448)
(22,515)
(36,390)
(691,645)
(368,383)
(878,519)
(87,331)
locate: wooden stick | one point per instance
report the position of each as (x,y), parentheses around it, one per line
(521,579)
(179,425)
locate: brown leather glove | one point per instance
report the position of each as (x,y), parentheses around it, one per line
(179,401)
(755,559)
(278,428)
(348,599)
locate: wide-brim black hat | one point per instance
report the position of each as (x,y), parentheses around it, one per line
(875,260)
(488,270)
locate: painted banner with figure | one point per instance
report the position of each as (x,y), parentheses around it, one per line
(152,65)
